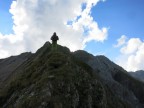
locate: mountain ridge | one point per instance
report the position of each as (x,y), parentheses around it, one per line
(89,81)
(138,75)
(8,65)
(112,75)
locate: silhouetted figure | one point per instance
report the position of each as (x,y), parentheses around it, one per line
(54,39)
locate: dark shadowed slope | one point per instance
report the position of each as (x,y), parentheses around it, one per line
(9,65)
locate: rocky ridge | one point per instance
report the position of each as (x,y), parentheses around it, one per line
(62,79)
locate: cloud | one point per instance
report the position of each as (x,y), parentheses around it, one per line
(132,55)
(121,41)
(132,46)
(36,20)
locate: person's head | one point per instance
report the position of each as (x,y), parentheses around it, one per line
(54,33)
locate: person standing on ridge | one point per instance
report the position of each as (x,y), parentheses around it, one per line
(54,39)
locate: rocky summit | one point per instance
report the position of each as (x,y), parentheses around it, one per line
(63,79)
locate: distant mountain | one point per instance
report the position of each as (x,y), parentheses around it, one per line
(138,75)
(114,77)
(9,65)
(63,79)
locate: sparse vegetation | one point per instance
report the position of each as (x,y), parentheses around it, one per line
(57,79)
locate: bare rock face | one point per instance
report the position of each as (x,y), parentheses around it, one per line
(61,79)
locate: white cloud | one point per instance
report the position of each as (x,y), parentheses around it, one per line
(121,41)
(36,20)
(132,55)
(132,46)
(86,21)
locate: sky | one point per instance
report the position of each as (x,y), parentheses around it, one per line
(113,28)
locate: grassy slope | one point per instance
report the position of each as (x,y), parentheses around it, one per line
(55,79)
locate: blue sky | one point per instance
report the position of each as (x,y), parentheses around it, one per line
(6,21)
(122,17)
(122,21)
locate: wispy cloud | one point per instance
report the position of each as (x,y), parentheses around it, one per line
(121,41)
